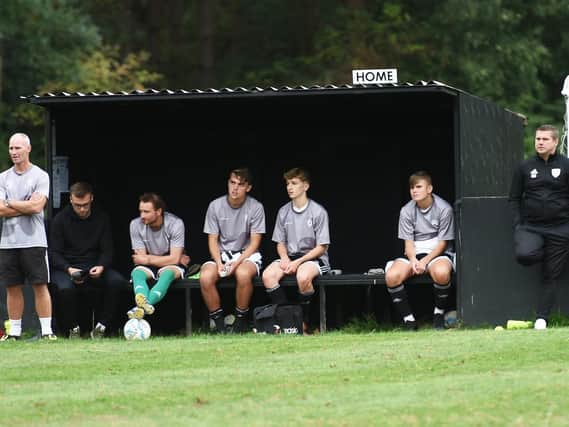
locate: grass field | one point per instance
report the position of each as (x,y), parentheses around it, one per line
(456,377)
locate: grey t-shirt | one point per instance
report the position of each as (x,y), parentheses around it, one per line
(234,225)
(302,231)
(23,231)
(157,242)
(427,227)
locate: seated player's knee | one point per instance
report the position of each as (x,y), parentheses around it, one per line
(440,276)
(243,276)
(208,277)
(393,278)
(304,282)
(269,275)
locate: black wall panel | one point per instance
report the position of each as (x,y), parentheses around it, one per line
(493,286)
(359,152)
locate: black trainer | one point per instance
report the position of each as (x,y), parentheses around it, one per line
(74,333)
(217,325)
(410,325)
(438,321)
(240,326)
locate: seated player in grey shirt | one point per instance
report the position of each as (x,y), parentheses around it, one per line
(157,239)
(302,236)
(235,224)
(426,225)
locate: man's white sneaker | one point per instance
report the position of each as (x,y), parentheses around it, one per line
(540,324)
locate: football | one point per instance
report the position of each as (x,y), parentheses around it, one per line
(136,329)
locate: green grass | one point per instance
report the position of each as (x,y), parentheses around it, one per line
(456,377)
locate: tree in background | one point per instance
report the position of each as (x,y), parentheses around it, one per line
(508,51)
(102,70)
(53,46)
(503,51)
(40,40)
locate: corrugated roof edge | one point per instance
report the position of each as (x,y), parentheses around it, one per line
(150,92)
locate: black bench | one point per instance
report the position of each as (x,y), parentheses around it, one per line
(321,283)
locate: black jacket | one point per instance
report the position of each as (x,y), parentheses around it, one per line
(73,240)
(540,191)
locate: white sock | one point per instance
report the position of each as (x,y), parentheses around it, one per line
(439,311)
(409,318)
(45,323)
(16,327)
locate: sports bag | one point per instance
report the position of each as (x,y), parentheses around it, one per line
(278,319)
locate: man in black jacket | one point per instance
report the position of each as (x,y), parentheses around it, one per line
(539,197)
(80,254)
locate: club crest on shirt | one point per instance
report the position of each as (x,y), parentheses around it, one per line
(555,172)
(533,173)
(309,222)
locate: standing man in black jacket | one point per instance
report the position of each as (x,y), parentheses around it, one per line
(80,254)
(539,197)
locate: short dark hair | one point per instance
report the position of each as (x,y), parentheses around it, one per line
(299,173)
(81,189)
(418,176)
(155,199)
(244,174)
(554,131)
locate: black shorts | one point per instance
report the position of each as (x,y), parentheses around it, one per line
(319,261)
(23,265)
(421,256)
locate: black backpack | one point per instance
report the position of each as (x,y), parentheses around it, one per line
(278,319)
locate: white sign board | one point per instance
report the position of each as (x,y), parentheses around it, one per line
(386,75)
(60,178)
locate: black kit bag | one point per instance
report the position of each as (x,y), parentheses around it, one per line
(278,319)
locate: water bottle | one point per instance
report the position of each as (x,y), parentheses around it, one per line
(519,324)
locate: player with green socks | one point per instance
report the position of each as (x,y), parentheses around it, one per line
(157,239)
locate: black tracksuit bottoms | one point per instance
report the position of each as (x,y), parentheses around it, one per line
(548,244)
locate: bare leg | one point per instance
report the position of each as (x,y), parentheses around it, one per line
(244,289)
(208,285)
(43,300)
(15,302)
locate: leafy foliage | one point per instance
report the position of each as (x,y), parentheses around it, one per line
(102,70)
(508,51)
(49,45)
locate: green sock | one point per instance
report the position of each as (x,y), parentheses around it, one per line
(139,282)
(161,287)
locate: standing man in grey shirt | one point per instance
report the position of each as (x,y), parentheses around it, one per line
(234,224)
(24,190)
(157,239)
(426,224)
(302,235)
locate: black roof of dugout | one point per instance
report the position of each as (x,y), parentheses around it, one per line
(155,94)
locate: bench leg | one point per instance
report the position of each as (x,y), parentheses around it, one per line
(322,308)
(188,312)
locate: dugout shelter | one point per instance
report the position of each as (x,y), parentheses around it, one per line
(360,143)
